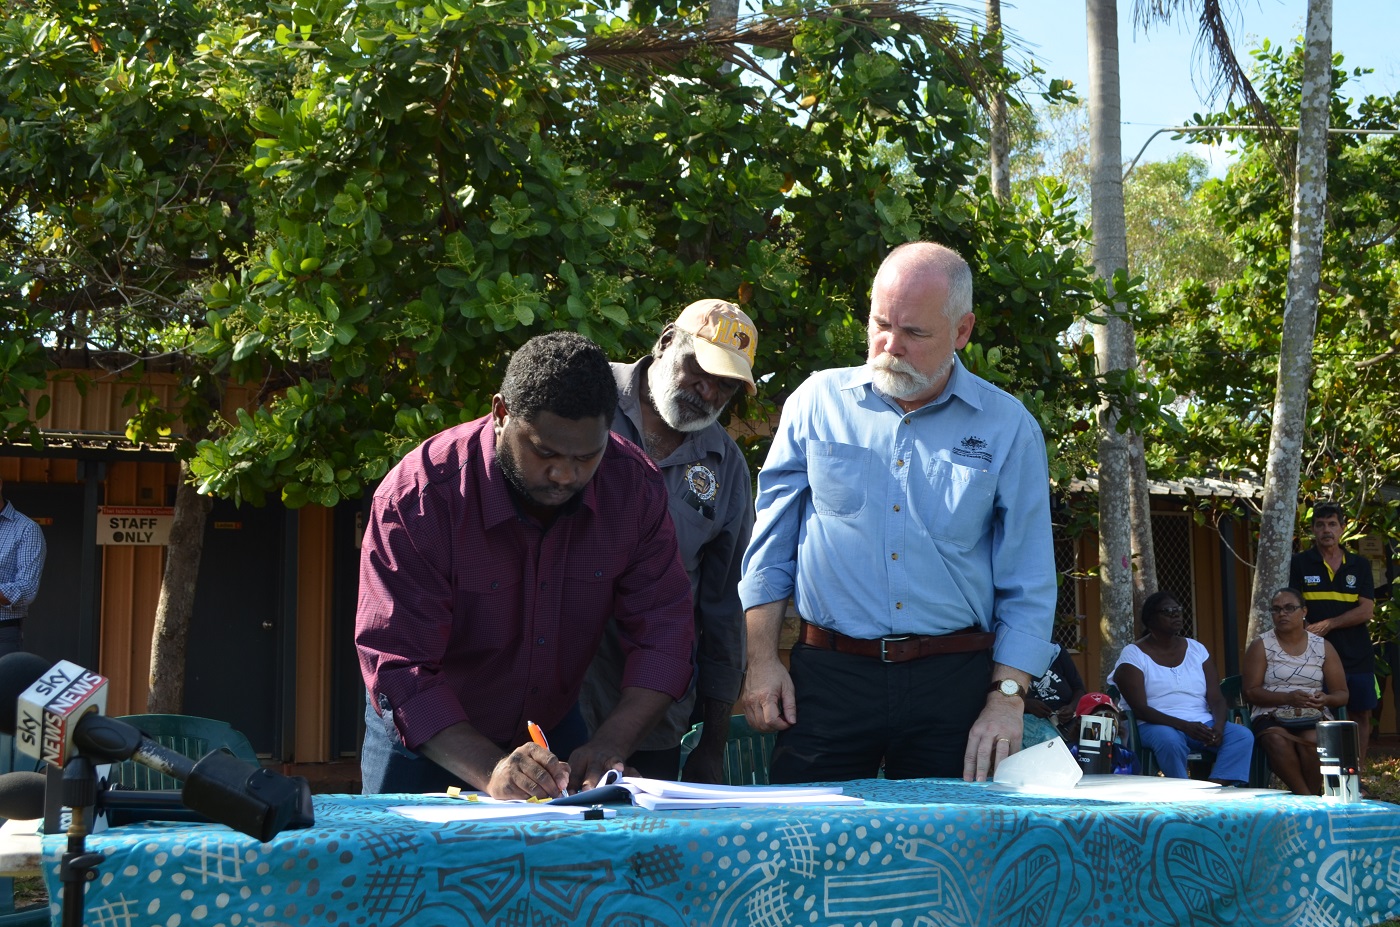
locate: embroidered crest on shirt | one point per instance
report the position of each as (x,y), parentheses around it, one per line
(701,489)
(973,446)
(1351,580)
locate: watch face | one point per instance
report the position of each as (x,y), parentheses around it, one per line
(1009,687)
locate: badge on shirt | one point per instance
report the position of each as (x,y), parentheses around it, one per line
(703,489)
(702,482)
(1312,580)
(1351,580)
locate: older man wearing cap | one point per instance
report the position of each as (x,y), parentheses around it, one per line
(669,403)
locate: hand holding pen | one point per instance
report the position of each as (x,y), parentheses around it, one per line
(530,770)
(561,779)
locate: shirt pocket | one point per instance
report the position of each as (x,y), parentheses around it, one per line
(487,611)
(955,502)
(586,600)
(837,475)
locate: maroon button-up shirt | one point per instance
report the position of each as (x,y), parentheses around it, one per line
(469,611)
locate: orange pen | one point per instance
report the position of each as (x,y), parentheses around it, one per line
(536,734)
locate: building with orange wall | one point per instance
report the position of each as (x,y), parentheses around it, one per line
(271,642)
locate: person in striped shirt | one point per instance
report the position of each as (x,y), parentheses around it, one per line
(1339,592)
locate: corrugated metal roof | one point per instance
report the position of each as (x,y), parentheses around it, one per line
(1190,486)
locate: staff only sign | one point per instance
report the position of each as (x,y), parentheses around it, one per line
(134,525)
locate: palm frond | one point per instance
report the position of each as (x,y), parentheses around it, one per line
(1214,55)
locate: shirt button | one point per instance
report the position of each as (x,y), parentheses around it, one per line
(898,605)
(534,690)
(896,508)
(495,585)
(597,574)
(906,421)
(540,642)
(899,463)
(894,556)
(542,585)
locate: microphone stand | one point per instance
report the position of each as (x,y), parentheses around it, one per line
(77,866)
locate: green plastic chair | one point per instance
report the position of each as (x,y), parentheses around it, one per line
(187,734)
(746,753)
(1147,760)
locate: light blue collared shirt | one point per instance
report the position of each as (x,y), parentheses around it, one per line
(22,551)
(884,522)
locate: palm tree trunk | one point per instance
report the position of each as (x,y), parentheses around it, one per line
(999,136)
(1113,338)
(1144,547)
(1279,515)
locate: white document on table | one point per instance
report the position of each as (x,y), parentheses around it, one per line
(1160,789)
(1050,769)
(484,808)
(665,795)
(1044,766)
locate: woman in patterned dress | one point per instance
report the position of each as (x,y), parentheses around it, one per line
(1290,672)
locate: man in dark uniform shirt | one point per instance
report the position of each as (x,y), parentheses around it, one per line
(1338,590)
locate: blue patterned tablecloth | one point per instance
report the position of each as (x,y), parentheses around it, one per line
(927,853)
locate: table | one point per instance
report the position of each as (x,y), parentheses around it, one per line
(20,848)
(919,854)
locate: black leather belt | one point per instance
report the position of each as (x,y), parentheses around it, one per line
(898,648)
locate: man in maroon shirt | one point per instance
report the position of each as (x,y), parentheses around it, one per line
(494,555)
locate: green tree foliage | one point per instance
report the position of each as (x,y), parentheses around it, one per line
(1172,236)
(362,208)
(1220,344)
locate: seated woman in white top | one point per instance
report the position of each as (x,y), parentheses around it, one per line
(1291,670)
(1171,685)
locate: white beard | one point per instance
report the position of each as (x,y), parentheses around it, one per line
(677,408)
(898,379)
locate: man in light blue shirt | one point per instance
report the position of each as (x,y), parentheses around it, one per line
(22,552)
(905,506)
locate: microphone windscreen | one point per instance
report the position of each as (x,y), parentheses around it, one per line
(22,795)
(18,671)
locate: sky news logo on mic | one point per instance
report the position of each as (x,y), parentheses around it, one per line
(49,710)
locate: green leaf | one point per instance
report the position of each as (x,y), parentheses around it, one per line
(248,344)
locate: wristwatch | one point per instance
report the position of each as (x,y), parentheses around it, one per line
(1009,688)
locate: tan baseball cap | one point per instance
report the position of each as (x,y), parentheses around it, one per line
(725,339)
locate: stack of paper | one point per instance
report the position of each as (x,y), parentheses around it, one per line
(476,807)
(664,795)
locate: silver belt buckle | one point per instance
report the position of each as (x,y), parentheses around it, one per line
(890,639)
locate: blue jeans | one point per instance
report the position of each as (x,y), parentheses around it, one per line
(1171,747)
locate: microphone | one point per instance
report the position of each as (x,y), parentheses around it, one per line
(22,795)
(58,715)
(65,702)
(50,710)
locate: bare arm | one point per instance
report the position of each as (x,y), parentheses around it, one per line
(526,772)
(636,713)
(1216,702)
(1361,614)
(1256,662)
(768,699)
